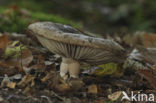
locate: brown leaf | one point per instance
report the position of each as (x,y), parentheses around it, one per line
(75,83)
(7,69)
(11,85)
(145,55)
(149,76)
(54,81)
(26,57)
(40,63)
(93,89)
(7,83)
(25,80)
(24,60)
(149,40)
(114,96)
(27,90)
(46,78)
(4,41)
(15,65)
(63,87)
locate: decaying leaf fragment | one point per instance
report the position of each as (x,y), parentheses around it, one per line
(105,69)
(75,84)
(54,81)
(147,40)
(115,96)
(25,80)
(4,42)
(93,89)
(14,58)
(7,83)
(149,76)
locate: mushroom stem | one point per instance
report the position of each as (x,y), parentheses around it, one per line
(71,66)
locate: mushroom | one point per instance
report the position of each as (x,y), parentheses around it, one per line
(75,47)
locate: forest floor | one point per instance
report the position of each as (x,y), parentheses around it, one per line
(29,73)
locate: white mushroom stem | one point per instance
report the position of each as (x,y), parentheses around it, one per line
(71,66)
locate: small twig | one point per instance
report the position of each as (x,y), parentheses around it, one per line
(59,97)
(48,99)
(21,56)
(151,68)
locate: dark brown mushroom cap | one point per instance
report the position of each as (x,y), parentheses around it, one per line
(69,42)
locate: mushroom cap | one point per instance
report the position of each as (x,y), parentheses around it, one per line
(71,43)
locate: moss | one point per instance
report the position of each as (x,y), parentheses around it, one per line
(16,20)
(54,18)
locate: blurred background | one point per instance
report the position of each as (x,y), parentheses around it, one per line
(97,16)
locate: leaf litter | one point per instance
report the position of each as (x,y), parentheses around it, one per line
(30,74)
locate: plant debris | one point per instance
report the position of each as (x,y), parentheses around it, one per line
(29,73)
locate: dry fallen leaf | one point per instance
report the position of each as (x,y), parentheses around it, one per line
(40,63)
(4,41)
(115,96)
(75,83)
(27,90)
(148,40)
(14,57)
(12,66)
(26,57)
(11,85)
(7,69)
(25,80)
(54,81)
(3,44)
(24,60)
(149,76)
(93,89)
(7,83)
